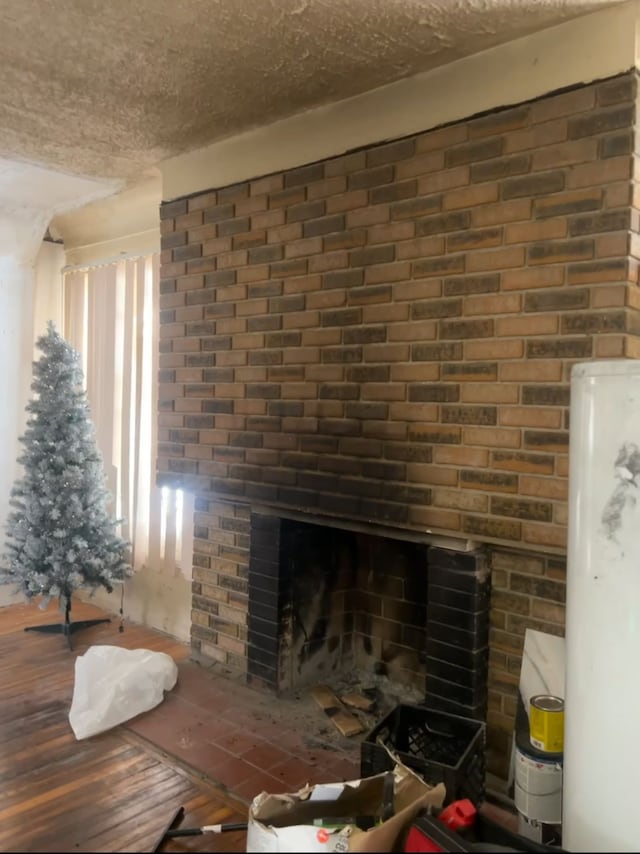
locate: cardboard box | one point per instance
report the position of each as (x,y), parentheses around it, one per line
(281,823)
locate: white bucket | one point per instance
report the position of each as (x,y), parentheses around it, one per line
(538,789)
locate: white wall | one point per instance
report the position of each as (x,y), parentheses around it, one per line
(30,294)
(17,282)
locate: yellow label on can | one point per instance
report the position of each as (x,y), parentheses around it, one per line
(546,723)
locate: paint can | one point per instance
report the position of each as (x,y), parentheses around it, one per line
(546,723)
(538,788)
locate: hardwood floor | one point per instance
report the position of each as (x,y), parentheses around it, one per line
(112,792)
(210,746)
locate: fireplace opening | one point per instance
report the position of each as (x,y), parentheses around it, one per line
(352,613)
(357,603)
(366,609)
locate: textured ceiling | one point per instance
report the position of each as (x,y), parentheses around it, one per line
(107,89)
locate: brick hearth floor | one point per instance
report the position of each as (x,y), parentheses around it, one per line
(248,741)
(245,740)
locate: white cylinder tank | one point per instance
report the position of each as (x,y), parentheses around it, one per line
(602,700)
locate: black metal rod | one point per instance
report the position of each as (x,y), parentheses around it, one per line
(172,823)
(198,831)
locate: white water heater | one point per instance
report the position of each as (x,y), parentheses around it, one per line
(602,699)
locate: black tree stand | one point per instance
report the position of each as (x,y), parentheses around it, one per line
(67,628)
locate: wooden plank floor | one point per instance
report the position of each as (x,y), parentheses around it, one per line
(112,792)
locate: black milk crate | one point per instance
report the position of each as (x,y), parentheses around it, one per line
(442,748)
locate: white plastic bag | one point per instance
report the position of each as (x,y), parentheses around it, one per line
(113,685)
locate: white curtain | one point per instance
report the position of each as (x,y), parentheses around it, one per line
(111,317)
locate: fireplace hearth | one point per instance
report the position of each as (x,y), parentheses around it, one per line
(328,601)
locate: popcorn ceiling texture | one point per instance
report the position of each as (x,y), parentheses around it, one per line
(109,89)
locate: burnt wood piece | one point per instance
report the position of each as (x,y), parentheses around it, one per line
(344,721)
(358,701)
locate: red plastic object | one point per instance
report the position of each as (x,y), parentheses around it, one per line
(418,841)
(459,815)
(429,834)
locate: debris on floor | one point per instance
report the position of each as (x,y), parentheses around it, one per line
(359,701)
(355,701)
(347,723)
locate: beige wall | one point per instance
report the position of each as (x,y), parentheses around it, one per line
(126,223)
(47,303)
(152,598)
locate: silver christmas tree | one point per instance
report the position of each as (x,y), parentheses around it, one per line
(60,535)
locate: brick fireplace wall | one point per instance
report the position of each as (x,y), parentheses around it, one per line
(387,336)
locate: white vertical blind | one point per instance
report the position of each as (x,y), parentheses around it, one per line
(75,320)
(111,316)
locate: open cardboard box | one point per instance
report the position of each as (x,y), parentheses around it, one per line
(286,822)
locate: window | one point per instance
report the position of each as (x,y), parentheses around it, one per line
(111,317)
